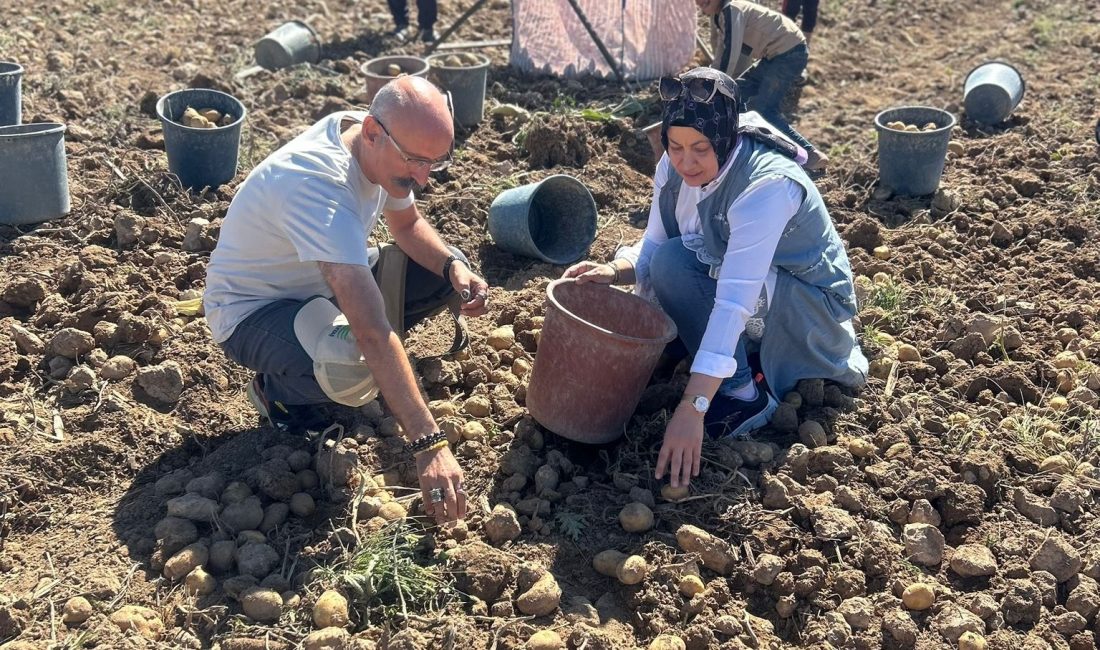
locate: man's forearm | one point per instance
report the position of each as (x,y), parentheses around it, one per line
(423,244)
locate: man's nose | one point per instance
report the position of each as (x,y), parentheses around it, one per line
(420,174)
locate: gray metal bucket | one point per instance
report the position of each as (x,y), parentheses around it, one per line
(465,83)
(553,220)
(11,93)
(201,157)
(375,71)
(35,185)
(911,162)
(290,44)
(992,91)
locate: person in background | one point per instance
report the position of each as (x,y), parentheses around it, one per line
(426,13)
(766,53)
(809,15)
(741,253)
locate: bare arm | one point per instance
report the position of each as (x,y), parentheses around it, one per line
(361,301)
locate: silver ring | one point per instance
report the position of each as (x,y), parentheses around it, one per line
(436,495)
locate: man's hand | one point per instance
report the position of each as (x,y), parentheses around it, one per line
(438,469)
(473,289)
(682,447)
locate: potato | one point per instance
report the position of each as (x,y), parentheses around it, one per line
(331,610)
(443,409)
(1057,464)
(971,641)
(629,570)
(452,61)
(669,493)
(394,70)
(302,505)
(1058,403)
(211,115)
(930,126)
(861,447)
(474,430)
(544,640)
(392,511)
(896,125)
(636,517)
(882,252)
(908,352)
(918,596)
(199,582)
(958,419)
(478,406)
(521,368)
(542,598)
(667,642)
(195,119)
(691,584)
(184,561)
(502,338)
(955,147)
(262,604)
(912,128)
(715,553)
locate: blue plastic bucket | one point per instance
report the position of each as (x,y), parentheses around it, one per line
(992,91)
(466,83)
(553,220)
(911,162)
(290,44)
(35,184)
(201,157)
(11,93)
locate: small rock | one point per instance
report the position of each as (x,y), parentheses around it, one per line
(973,560)
(26,341)
(767,567)
(922,512)
(24,292)
(833,523)
(71,343)
(1034,508)
(502,525)
(76,610)
(924,544)
(275,515)
(1057,557)
(163,382)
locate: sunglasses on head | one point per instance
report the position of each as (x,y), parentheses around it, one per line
(700,89)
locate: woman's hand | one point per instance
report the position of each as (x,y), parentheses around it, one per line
(438,469)
(590,272)
(682,447)
(473,289)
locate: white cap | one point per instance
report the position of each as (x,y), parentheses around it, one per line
(337,363)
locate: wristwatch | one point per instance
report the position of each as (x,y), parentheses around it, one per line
(698,402)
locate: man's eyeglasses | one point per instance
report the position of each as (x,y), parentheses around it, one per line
(417,162)
(700,89)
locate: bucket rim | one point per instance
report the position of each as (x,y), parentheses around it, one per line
(301,23)
(11,68)
(881,126)
(164,118)
(1023,82)
(670,329)
(365,67)
(485,62)
(30,129)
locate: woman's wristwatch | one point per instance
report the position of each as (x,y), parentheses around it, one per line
(700,403)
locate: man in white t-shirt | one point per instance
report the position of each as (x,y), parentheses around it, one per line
(290,291)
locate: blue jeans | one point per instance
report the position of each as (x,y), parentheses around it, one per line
(686,292)
(265,341)
(764,86)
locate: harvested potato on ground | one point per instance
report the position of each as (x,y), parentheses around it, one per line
(669,493)
(918,596)
(394,70)
(392,511)
(716,554)
(667,642)
(628,569)
(331,610)
(545,640)
(882,252)
(691,584)
(636,517)
(542,598)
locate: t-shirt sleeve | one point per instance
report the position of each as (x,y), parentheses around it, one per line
(321,225)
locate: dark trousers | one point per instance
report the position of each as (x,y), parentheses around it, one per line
(809,13)
(426,11)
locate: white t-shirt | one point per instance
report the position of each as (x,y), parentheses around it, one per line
(757,219)
(306,203)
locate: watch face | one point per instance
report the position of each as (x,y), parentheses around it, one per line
(701,403)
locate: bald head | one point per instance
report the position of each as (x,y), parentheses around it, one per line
(415,112)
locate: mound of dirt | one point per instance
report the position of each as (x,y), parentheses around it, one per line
(557,141)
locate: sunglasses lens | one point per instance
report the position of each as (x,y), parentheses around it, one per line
(670,88)
(701,89)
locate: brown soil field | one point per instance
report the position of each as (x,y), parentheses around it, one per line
(965,474)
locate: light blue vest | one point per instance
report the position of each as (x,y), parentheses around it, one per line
(807,331)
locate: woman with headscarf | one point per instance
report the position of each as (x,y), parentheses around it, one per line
(739,251)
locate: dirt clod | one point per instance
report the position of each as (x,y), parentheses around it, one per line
(76,610)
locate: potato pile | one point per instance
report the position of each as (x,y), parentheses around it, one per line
(898,125)
(205,118)
(459,60)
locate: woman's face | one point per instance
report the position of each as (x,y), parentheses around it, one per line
(692,155)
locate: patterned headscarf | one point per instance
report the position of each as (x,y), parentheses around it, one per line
(716,120)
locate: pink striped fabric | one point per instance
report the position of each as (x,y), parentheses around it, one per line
(647,38)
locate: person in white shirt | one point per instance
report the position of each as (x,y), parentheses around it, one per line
(739,251)
(290,291)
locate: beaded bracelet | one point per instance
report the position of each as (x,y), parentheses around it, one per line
(447,266)
(424,442)
(439,445)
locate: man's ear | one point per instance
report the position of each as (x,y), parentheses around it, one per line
(371,130)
